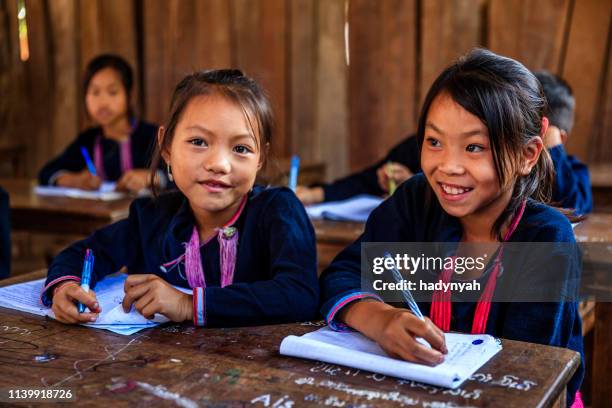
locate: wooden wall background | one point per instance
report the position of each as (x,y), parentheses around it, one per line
(326,110)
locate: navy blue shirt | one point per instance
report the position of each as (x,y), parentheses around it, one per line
(413,214)
(5,235)
(275,277)
(366,181)
(572,187)
(143,140)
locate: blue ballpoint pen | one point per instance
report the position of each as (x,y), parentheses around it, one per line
(412,304)
(293,172)
(90,165)
(86,275)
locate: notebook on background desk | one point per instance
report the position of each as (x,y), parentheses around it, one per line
(357,209)
(106,192)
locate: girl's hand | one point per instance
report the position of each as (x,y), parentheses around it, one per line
(65,297)
(396,331)
(134,180)
(392,171)
(82,179)
(151,294)
(309,195)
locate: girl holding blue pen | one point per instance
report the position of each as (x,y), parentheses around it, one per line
(486,178)
(247,253)
(119,147)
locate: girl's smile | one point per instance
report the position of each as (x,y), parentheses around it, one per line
(454,192)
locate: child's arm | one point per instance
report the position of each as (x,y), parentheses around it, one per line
(290,293)
(366,181)
(396,331)
(346,306)
(69,162)
(572,187)
(113,246)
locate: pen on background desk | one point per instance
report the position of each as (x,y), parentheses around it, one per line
(86,274)
(392,184)
(412,304)
(90,165)
(293,172)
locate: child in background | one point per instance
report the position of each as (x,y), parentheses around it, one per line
(572,187)
(120,146)
(401,163)
(248,253)
(485,173)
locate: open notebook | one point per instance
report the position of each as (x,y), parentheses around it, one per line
(466,354)
(106,192)
(357,208)
(109,292)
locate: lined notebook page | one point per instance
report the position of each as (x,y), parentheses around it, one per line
(466,354)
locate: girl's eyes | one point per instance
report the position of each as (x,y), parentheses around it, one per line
(473,148)
(242,149)
(198,142)
(433,142)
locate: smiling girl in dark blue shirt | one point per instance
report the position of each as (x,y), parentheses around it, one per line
(248,253)
(485,173)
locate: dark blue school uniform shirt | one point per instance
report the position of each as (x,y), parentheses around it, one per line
(275,276)
(143,140)
(413,214)
(572,187)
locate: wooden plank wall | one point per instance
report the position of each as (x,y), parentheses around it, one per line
(326,110)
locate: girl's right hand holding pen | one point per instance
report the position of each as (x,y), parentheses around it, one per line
(83,179)
(66,297)
(396,331)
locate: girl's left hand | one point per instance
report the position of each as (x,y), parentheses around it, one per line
(151,294)
(134,180)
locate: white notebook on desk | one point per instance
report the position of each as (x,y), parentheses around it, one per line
(357,208)
(106,192)
(109,292)
(466,354)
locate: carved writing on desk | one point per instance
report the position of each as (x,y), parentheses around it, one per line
(180,365)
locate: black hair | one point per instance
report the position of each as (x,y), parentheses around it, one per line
(509,101)
(228,83)
(117,63)
(560,98)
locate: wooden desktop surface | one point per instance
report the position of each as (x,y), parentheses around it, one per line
(601,186)
(235,367)
(35,213)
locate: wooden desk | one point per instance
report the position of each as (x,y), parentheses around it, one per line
(13,153)
(61,215)
(333,237)
(601,186)
(596,228)
(177,364)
